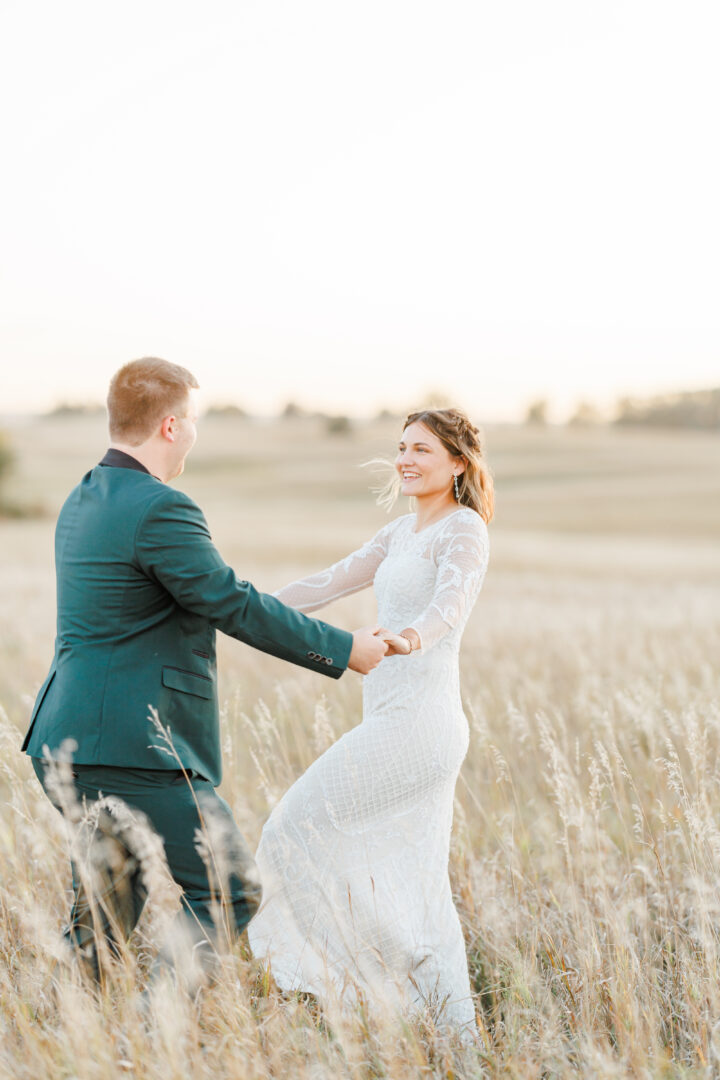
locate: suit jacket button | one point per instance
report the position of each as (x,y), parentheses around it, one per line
(312,655)
(329,661)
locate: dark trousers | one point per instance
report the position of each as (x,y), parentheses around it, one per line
(220,887)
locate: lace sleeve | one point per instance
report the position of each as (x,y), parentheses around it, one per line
(461,554)
(353,573)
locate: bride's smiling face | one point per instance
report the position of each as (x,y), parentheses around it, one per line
(424,465)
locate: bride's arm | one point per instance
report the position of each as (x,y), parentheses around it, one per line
(353,573)
(462,559)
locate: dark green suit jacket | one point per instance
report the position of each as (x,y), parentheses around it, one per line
(141,590)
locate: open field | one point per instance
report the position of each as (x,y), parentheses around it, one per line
(586,857)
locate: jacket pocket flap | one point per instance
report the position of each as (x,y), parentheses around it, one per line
(187,682)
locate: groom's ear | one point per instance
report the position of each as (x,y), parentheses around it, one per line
(168,427)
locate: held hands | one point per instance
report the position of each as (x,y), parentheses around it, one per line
(371,644)
(399,644)
(367,650)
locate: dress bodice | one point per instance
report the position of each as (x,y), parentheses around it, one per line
(427,580)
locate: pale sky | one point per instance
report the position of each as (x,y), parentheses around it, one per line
(349,204)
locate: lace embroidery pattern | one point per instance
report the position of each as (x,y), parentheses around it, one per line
(458,547)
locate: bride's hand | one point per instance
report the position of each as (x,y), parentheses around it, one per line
(397,645)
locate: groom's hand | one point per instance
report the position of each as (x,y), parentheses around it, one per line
(367,650)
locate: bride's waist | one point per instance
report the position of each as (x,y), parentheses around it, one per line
(426,675)
(442,658)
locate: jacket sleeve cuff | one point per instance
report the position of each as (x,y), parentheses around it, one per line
(337,656)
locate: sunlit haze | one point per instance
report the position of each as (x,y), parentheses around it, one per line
(352,205)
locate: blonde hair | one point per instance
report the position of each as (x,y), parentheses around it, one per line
(461,439)
(142,393)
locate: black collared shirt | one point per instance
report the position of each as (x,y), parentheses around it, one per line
(118,459)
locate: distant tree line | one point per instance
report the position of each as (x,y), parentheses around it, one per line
(72,409)
(698,409)
(691,409)
(6,456)
(9,508)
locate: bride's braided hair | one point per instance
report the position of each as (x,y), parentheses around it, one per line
(461,438)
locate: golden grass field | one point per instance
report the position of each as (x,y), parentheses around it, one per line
(586,851)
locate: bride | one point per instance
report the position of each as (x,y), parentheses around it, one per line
(354,858)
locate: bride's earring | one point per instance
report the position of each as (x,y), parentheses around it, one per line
(457,488)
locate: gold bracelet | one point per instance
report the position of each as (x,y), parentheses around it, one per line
(412,647)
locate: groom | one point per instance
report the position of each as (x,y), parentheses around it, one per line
(141,590)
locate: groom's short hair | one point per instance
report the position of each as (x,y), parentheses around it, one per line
(142,393)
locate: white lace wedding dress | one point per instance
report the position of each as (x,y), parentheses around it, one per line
(354,858)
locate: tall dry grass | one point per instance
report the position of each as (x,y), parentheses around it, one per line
(586,849)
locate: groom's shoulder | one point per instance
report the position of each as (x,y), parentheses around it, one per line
(169,500)
(123,489)
(130,493)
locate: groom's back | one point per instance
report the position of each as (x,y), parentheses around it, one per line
(102,594)
(123,642)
